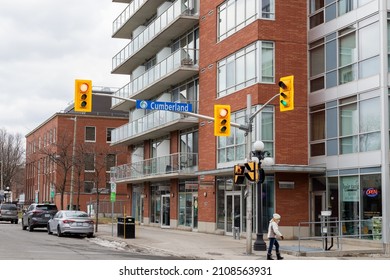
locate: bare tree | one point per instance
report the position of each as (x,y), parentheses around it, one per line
(102,160)
(11,157)
(61,154)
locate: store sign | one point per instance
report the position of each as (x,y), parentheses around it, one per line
(372,192)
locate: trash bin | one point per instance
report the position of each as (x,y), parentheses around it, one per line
(126,227)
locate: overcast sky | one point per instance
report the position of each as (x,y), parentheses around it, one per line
(44,46)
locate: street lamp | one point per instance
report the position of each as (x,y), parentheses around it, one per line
(260,156)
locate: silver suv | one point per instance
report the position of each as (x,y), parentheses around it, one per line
(9,212)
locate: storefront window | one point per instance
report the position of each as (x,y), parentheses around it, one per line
(349,194)
(157,192)
(188,205)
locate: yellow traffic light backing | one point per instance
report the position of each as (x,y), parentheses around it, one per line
(239,174)
(252,168)
(83,96)
(286,97)
(222,120)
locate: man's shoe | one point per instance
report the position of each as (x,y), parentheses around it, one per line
(279,256)
(269,257)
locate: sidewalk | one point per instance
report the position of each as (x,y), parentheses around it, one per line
(196,245)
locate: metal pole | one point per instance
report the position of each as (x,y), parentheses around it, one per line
(248,183)
(72,171)
(259,244)
(2,189)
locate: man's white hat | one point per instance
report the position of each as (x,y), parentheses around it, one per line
(276,216)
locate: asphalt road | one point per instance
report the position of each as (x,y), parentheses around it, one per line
(18,244)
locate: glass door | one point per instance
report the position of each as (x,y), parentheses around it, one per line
(165,210)
(318,201)
(195,212)
(233,217)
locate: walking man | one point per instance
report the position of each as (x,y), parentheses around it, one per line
(273,232)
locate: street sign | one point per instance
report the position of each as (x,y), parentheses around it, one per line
(113,197)
(164,106)
(113,192)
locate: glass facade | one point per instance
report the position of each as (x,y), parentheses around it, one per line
(253,64)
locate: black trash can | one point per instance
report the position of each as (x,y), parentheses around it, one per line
(126,227)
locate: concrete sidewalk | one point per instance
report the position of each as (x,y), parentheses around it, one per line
(196,245)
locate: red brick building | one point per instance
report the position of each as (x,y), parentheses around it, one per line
(205,53)
(71,153)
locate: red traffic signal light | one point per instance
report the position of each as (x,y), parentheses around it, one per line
(83,96)
(222,120)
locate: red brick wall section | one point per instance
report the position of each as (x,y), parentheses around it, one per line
(292,204)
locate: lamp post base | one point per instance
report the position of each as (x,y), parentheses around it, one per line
(259,244)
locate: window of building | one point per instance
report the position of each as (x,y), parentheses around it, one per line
(359,125)
(317,130)
(188,204)
(108,134)
(189,141)
(89,163)
(90,134)
(243,68)
(232,148)
(357,52)
(110,161)
(324,11)
(233,15)
(88,186)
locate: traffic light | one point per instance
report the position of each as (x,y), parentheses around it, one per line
(252,168)
(83,96)
(286,85)
(239,174)
(222,120)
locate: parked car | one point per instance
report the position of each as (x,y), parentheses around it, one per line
(9,212)
(37,215)
(71,222)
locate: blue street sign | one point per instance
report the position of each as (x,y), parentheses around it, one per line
(164,106)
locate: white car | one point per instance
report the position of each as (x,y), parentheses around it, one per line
(71,222)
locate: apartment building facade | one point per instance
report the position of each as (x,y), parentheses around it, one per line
(220,52)
(348,110)
(70,153)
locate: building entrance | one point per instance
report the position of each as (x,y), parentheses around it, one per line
(233,217)
(165,210)
(318,202)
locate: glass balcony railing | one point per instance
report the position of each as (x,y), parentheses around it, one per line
(182,57)
(164,20)
(142,125)
(126,14)
(182,163)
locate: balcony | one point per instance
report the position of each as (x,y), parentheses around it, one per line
(176,68)
(169,25)
(135,14)
(151,126)
(178,165)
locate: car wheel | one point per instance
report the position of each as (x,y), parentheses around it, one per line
(30,228)
(48,229)
(23,226)
(59,233)
(16,222)
(90,235)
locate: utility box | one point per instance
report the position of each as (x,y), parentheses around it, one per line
(126,227)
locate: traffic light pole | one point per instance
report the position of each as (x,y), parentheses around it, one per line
(249,206)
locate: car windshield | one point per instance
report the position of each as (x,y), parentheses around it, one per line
(76,215)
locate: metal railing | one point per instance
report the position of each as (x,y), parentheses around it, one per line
(181,57)
(334,231)
(186,163)
(152,30)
